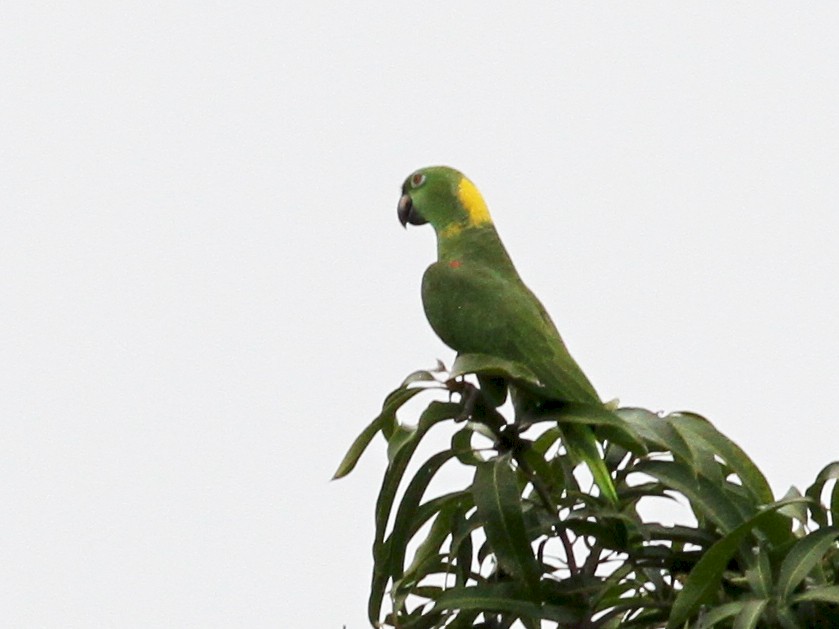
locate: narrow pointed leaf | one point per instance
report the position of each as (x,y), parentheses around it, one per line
(719,613)
(498,501)
(834,505)
(704,580)
(421,375)
(433,414)
(427,510)
(541,469)
(608,424)
(378,585)
(750,615)
(393,402)
(505,598)
(462,447)
(493,366)
(656,431)
(798,509)
(357,448)
(706,498)
(460,549)
(734,456)
(759,574)
(581,444)
(702,459)
(385,421)
(546,440)
(404,524)
(429,549)
(401,436)
(814,491)
(426,621)
(803,557)
(826,594)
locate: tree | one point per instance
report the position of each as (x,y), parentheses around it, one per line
(530,540)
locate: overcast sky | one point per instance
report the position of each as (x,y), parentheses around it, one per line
(206,293)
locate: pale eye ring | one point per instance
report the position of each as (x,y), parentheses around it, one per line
(417,179)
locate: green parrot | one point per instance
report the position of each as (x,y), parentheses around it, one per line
(476,302)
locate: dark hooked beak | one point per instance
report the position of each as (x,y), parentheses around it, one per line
(406,212)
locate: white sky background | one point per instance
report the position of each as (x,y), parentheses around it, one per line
(206,292)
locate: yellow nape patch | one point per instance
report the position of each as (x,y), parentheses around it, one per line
(473,202)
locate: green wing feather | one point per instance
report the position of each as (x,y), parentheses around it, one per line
(478,307)
(475,308)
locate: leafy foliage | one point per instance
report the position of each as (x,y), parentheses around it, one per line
(532,541)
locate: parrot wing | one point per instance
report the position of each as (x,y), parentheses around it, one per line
(477,309)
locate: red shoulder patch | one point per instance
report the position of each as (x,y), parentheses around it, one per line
(455,264)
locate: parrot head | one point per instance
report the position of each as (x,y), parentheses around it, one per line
(443,197)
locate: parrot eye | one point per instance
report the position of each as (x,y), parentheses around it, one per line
(417,179)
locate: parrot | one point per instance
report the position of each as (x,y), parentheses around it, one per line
(476,302)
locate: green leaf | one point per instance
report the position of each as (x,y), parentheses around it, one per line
(429,549)
(393,402)
(461,499)
(464,620)
(486,365)
(357,448)
(702,460)
(750,615)
(405,522)
(542,470)
(384,422)
(704,580)
(747,614)
(378,585)
(401,436)
(575,420)
(814,491)
(428,563)
(433,414)
(505,598)
(462,446)
(719,613)
(460,549)
(707,499)
(544,441)
(834,504)
(759,573)
(608,424)
(802,558)
(656,431)
(581,445)
(425,621)
(421,375)
(498,501)
(751,477)
(825,594)
(798,509)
